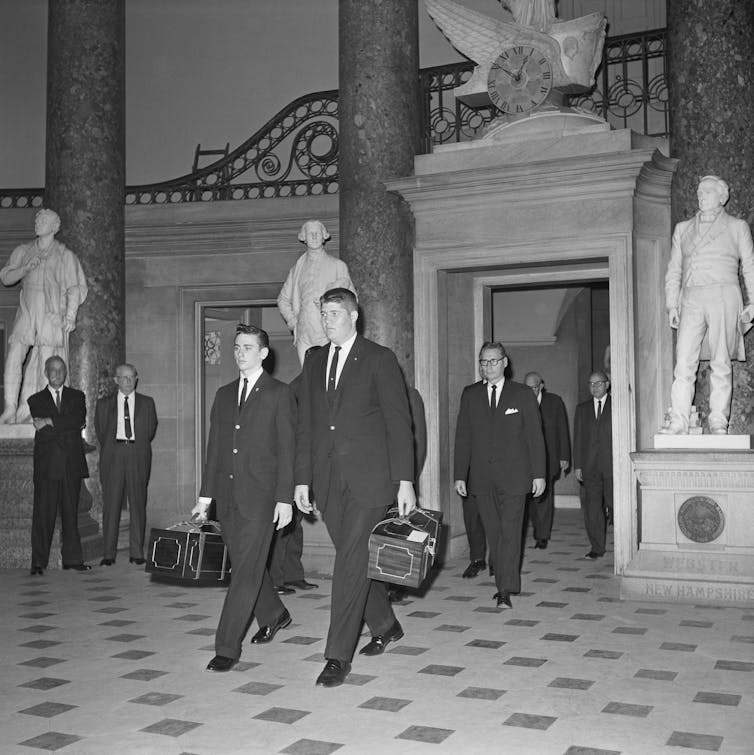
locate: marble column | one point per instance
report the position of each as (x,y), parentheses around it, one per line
(379,136)
(85,176)
(710,78)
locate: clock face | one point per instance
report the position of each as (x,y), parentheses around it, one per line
(520,79)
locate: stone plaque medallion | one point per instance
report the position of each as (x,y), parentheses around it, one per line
(700,519)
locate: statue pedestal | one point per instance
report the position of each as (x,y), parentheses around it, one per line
(696,514)
(17,504)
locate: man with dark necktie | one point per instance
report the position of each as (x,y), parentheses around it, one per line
(593,461)
(125,423)
(355,452)
(249,474)
(500,460)
(59,415)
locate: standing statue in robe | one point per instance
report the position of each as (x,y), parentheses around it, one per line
(53,288)
(538,14)
(315,272)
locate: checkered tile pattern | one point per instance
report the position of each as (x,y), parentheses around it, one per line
(108,661)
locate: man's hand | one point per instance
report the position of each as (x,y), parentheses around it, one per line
(563,465)
(673,318)
(301,499)
(201,510)
(538,486)
(460,486)
(283,514)
(579,475)
(406,498)
(32,263)
(40,422)
(747,314)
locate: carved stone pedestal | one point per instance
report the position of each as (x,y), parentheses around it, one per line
(17,505)
(696,518)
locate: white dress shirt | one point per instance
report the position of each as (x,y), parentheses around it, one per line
(597,409)
(345,350)
(500,383)
(252,382)
(120,433)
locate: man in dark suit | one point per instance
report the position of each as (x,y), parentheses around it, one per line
(593,461)
(500,459)
(558,448)
(286,568)
(249,473)
(125,424)
(355,448)
(59,415)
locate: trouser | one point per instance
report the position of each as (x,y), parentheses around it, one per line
(355,597)
(541,511)
(503,517)
(595,502)
(51,496)
(474,529)
(250,593)
(712,310)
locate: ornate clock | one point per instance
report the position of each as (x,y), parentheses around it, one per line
(520,79)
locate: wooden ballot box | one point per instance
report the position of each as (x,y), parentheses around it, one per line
(402,549)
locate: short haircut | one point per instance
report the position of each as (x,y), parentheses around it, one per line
(343,296)
(302,232)
(262,338)
(493,345)
(534,376)
(129,366)
(600,375)
(55,358)
(721,185)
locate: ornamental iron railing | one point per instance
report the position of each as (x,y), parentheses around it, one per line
(295,153)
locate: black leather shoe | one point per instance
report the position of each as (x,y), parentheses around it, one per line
(378,643)
(221,663)
(266,633)
(541,544)
(301,584)
(137,561)
(36,570)
(593,556)
(503,599)
(77,567)
(107,562)
(283,590)
(334,673)
(474,568)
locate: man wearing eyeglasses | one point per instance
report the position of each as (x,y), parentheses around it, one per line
(500,460)
(249,473)
(593,461)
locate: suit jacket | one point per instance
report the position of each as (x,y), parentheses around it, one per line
(555,427)
(504,450)
(367,428)
(144,427)
(250,453)
(59,450)
(593,440)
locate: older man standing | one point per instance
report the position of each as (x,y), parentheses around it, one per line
(703,299)
(500,459)
(125,423)
(558,446)
(59,414)
(355,448)
(593,461)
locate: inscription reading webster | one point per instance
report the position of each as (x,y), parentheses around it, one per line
(701,519)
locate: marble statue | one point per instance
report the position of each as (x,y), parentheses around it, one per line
(704,302)
(52,290)
(538,14)
(315,272)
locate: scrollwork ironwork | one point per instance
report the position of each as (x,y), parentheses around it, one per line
(295,153)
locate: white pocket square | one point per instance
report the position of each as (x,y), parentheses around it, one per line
(511,411)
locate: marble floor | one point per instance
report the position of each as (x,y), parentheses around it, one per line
(110,662)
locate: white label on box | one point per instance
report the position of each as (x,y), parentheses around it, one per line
(417,536)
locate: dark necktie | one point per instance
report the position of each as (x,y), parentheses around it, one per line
(126,418)
(57,400)
(333,371)
(599,409)
(242,397)
(493,398)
